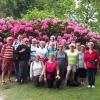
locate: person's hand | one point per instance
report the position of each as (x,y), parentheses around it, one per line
(58,77)
(85,66)
(31,78)
(22,50)
(45,79)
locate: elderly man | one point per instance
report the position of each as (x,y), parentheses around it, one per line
(7,59)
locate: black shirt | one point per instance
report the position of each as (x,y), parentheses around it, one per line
(25,55)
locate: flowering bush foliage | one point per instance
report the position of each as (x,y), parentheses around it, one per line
(68,30)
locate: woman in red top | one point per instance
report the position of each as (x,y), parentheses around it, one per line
(51,72)
(91,64)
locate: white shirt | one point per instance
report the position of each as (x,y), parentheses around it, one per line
(41,52)
(16,44)
(36,68)
(33,51)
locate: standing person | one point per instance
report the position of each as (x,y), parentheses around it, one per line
(77,48)
(51,72)
(51,49)
(64,45)
(36,71)
(91,64)
(42,50)
(24,55)
(72,63)
(52,40)
(7,59)
(34,49)
(61,57)
(16,58)
(81,68)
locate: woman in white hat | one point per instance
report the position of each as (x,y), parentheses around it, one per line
(72,63)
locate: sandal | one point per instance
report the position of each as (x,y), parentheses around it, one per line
(9,81)
(3,83)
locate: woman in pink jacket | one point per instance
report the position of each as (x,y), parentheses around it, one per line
(91,64)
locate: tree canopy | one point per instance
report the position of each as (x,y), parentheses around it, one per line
(85,11)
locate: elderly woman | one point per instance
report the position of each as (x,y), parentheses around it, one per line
(33,48)
(91,64)
(42,50)
(36,71)
(51,72)
(61,57)
(72,55)
(81,68)
(24,56)
(52,40)
(51,49)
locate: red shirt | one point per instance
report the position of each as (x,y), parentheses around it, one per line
(93,56)
(51,66)
(7,51)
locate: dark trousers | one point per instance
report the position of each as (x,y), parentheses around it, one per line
(91,73)
(16,67)
(23,68)
(37,81)
(52,81)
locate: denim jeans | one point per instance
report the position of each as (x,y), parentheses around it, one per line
(91,73)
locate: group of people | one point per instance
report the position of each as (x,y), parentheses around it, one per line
(49,62)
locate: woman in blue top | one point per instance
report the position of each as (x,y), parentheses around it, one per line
(81,69)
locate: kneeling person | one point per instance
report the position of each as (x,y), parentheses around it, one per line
(36,71)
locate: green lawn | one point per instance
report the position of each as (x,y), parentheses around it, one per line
(29,92)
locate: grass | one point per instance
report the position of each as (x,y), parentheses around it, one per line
(29,92)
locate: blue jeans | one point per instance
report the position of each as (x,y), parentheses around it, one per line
(91,73)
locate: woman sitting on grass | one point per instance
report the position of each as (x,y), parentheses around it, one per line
(51,72)
(36,71)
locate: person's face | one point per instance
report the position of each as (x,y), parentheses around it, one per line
(33,42)
(27,42)
(10,42)
(42,45)
(61,48)
(78,47)
(90,46)
(20,37)
(37,58)
(72,47)
(82,49)
(52,39)
(51,57)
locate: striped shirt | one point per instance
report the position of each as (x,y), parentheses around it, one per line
(7,51)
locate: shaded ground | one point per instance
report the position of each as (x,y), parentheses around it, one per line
(29,92)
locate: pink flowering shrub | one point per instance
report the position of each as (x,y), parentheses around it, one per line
(68,30)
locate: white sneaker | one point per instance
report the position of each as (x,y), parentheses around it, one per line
(89,86)
(16,80)
(93,86)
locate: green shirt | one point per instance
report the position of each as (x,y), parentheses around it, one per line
(72,57)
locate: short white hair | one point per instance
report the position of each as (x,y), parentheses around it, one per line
(90,43)
(34,39)
(72,44)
